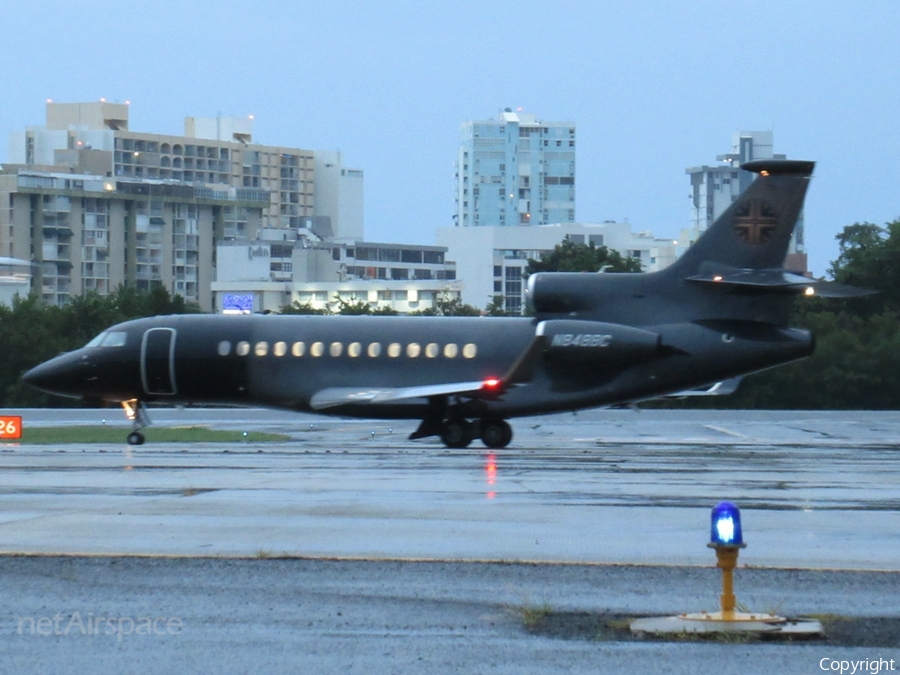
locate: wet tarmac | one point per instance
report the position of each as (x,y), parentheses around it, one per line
(820,495)
(817,490)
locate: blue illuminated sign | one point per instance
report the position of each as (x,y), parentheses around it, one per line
(233,303)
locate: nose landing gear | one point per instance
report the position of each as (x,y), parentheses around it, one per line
(136,411)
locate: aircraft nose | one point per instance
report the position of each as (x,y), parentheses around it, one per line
(64,375)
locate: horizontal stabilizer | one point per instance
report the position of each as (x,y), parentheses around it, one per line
(780,167)
(833,289)
(779,280)
(774,279)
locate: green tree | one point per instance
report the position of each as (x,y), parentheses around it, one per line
(298,307)
(352,307)
(870,258)
(447,305)
(497,307)
(567,256)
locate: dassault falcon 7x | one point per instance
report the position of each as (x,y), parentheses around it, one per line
(592,340)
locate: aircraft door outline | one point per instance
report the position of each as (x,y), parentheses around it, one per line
(158,362)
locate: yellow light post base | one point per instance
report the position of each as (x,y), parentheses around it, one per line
(732,616)
(706,623)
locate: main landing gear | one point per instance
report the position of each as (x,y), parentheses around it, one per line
(136,411)
(459,433)
(447,421)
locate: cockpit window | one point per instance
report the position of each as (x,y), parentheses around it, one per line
(96,341)
(115,338)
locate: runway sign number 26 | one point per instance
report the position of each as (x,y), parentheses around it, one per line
(10,428)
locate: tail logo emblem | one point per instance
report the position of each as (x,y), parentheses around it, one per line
(755,222)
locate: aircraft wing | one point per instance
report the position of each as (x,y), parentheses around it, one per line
(521,371)
(723,388)
(334,396)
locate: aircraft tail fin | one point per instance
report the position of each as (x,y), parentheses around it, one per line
(754,232)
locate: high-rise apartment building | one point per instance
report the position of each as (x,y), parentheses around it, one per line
(95,138)
(93,204)
(85,232)
(515,170)
(714,188)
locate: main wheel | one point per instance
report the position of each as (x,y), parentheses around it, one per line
(135,438)
(456,434)
(496,433)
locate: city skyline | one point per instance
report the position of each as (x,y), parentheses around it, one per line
(653,88)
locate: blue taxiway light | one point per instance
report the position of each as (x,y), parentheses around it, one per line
(725,528)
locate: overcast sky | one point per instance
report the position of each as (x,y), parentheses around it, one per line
(653,86)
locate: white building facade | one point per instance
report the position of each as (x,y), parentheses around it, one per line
(265,275)
(491,261)
(339,196)
(15,279)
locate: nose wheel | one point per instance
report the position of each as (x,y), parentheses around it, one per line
(136,411)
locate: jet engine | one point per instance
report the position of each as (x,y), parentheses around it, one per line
(556,293)
(596,342)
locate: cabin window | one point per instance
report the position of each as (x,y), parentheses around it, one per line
(224,348)
(316,349)
(470,350)
(298,349)
(243,348)
(394,350)
(262,348)
(280,349)
(335,348)
(413,350)
(432,350)
(451,350)
(374,350)
(354,349)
